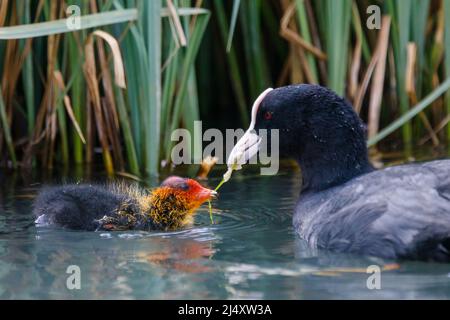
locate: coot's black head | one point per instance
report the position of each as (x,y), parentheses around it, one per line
(309,117)
(319,129)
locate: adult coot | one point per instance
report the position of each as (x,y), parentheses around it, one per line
(121,207)
(345,204)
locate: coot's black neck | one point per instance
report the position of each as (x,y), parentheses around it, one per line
(326,167)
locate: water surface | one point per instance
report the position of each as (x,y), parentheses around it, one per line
(251,252)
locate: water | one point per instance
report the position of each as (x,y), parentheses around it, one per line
(251,252)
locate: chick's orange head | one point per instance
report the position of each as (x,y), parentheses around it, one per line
(192,191)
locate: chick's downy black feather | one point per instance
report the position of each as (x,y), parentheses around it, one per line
(77,207)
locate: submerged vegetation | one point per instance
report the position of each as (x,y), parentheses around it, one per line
(117,87)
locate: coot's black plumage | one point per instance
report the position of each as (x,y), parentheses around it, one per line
(345,205)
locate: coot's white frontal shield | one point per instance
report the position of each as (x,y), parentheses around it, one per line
(248,145)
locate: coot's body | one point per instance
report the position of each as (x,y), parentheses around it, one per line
(345,204)
(409,217)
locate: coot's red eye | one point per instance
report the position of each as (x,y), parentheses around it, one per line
(268,115)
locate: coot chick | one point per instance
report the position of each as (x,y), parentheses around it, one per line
(345,205)
(121,207)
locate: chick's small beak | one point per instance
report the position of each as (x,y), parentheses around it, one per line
(214,194)
(204,194)
(207,194)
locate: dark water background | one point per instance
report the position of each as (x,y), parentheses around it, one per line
(251,252)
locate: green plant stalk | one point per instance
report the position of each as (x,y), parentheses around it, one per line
(234,15)
(254,51)
(356,21)
(337,37)
(190,115)
(419,15)
(167,100)
(6,130)
(77,94)
(306,35)
(62,125)
(236,81)
(127,133)
(130,57)
(210,212)
(77,85)
(400,13)
(173,57)
(319,10)
(60,110)
(151,119)
(27,75)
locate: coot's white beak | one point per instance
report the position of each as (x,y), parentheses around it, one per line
(248,145)
(244,149)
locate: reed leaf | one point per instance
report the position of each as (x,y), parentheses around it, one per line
(234,16)
(419,14)
(127,132)
(253,48)
(28,75)
(60,26)
(152,109)
(338,15)
(191,53)
(400,12)
(232,60)
(77,93)
(306,35)
(405,118)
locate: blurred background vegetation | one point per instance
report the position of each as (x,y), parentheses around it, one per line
(115,90)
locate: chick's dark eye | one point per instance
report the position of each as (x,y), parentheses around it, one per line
(268,115)
(183,186)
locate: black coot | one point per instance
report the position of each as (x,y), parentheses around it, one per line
(345,205)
